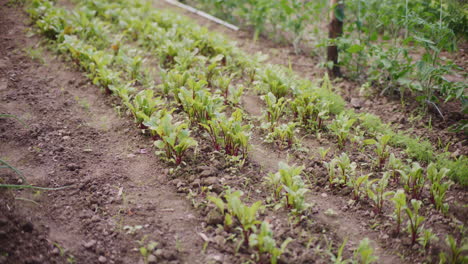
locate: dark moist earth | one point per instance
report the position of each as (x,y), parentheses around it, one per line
(120,196)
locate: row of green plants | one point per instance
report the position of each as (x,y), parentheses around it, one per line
(379,40)
(310,105)
(142,104)
(258,236)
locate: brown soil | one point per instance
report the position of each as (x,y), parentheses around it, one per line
(76,136)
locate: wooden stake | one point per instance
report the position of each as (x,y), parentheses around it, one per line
(335,30)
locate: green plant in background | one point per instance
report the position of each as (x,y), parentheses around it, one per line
(413,180)
(341,128)
(414,224)
(381,148)
(265,243)
(175,139)
(438,189)
(376,191)
(399,202)
(364,253)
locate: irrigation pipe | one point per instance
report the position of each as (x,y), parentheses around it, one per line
(203,14)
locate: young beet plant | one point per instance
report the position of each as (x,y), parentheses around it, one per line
(175,139)
(283,135)
(357,183)
(341,128)
(234,208)
(143,106)
(229,133)
(413,180)
(394,165)
(399,202)
(381,148)
(200,105)
(377,194)
(265,243)
(275,109)
(288,180)
(414,225)
(438,188)
(309,111)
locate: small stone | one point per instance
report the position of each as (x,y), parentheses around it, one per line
(102,259)
(331,213)
(73,166)
(159,252)
(90,244)
(323,195)
(356,103)
(152,258)
(66,137)
(56,251)
(87,150)
(210,181)
(196,183)
(28,227)
(214,217)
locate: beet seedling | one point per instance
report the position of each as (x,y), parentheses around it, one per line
(377,193)
(457,254)
(364,253)
(283,135)
(234,207)
(381,148)
(427,238)
(172,81)
(395,165)
(346,167)
(438,188)
(357,183)
(341,127)
(274,110)
(200,105)
(143,105)
(265,243)
(292,184)
(413,180)
(175,139)
(414,224)
(399,202)
(275,81)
